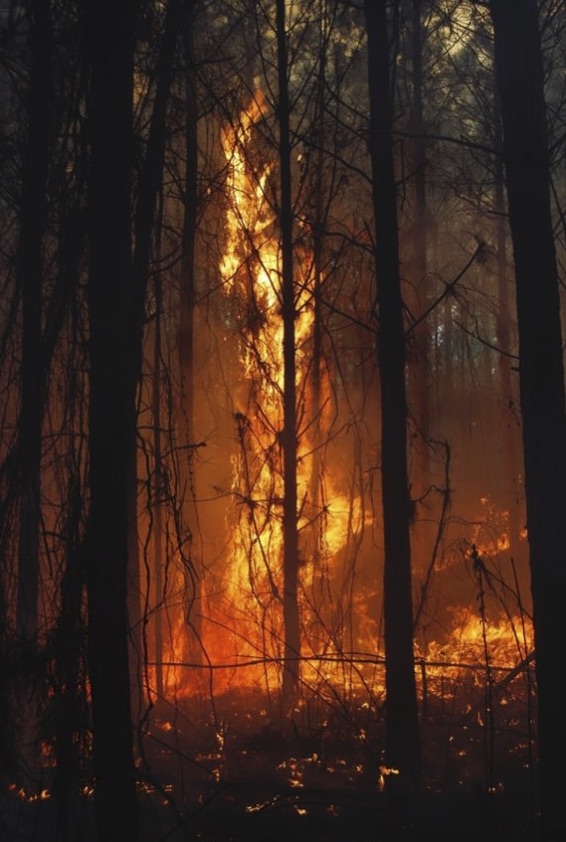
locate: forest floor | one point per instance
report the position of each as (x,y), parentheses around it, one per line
(229,772)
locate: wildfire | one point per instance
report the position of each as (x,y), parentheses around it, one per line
(242,612)
(507,640)
(251,269)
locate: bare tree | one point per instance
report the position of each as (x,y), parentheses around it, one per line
(289,433)
(192,558)
(112,416)
(520,76)
(403,740)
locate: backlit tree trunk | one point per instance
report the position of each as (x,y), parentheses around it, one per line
(521,83)
(158,492)
(419,368)
(191,550)
(318,226)
(149,186)
(112,409)
(403,739)
(289,434)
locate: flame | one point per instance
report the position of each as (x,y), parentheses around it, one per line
(251,270)
(29,797)
(243,629)
(507,640)
(500,647)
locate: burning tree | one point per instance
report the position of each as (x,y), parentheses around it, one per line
(252,268)
(225,298)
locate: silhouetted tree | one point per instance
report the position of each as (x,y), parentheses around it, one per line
(113,378)
(149,188)
(403,739)
(192,557)
(289,432)
(520,76)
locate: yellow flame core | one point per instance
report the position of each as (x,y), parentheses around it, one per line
(251,271)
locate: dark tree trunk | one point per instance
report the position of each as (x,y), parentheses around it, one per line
(69,654)
(512,458)
(112,409)
(30,266)
(403,738)
(520,77)
(190,535)
(157,490)
(289,434)
(419,243)
(317,365)
(69,702)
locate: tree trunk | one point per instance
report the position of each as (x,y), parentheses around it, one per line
(112,409)
(192,558)
(69,639)
(149,186)
(419,242)
(30,266)
(512,458)
(157,491)
(520,78)
(403,738)
(289,435)
(317,363)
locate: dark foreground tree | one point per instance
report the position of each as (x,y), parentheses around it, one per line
(403,738)
(112,384)
(521,79)
(192,568)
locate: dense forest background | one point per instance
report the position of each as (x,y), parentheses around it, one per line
(265,429)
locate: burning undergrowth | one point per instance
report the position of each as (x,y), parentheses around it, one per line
(233,766)
(236,767)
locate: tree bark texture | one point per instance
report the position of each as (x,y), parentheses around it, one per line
(403,738)
(520,75)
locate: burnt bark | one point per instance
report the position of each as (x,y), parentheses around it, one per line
(112,408)
(289,433)
(402,737)
(520,77)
